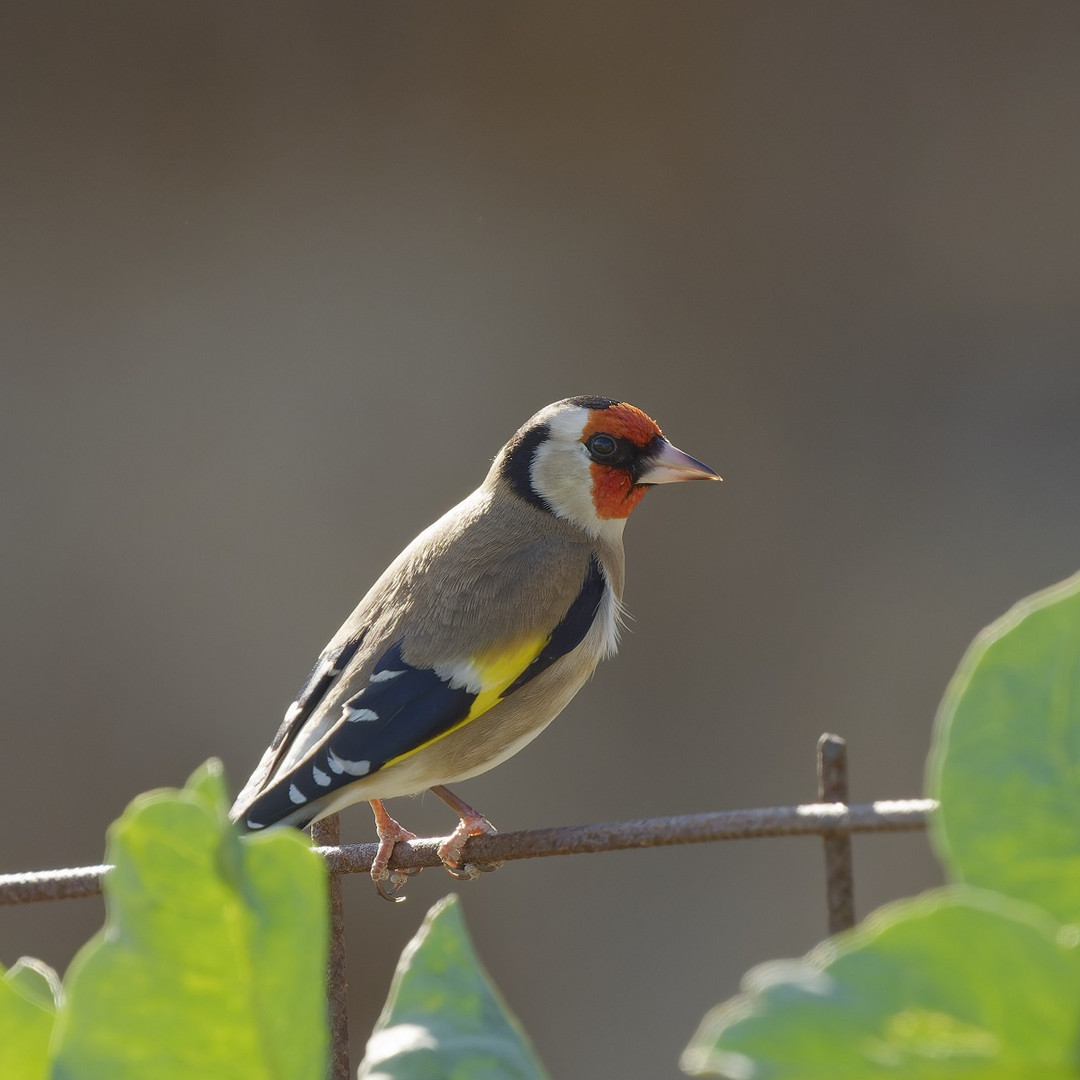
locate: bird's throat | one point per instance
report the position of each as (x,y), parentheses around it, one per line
(614,493)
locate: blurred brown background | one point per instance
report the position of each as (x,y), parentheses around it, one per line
(278,281)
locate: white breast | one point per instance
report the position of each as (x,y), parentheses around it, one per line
(610,619)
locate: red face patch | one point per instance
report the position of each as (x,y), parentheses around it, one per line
(613,490)
(624,422)
(614,494)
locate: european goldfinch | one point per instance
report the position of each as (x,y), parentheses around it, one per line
(477,635)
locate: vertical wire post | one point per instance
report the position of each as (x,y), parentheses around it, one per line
(327,833)
(832,768)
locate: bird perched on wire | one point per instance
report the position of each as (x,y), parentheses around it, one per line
(476,636)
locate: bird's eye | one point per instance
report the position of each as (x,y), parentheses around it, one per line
(602,446)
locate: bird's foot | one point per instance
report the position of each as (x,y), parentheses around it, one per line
(389,833)
(451,850)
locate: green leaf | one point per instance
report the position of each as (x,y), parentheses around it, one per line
(36,981)
(1006,756)
(959,983)
(27,1011)
(213,957)
(444,1020)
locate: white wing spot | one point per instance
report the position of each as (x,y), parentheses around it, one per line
(461,675)
(352,714)
(320,778)
(293,711)
(382,676)
(353,768)
(296,795)
(254,824)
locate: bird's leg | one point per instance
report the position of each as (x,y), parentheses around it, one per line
(389,833)
(472,823)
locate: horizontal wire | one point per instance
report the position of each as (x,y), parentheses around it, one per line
(812,819)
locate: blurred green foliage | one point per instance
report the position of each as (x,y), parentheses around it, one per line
(962,982)
(1006,756)
(212,961)
(28,1000)
(444,1018)
(212,958)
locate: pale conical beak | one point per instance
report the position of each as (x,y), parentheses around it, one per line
(670,465)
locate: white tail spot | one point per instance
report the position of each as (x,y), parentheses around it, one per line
(353,715)
(353,768)
(382,676)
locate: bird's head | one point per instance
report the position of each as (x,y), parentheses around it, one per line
(591,460)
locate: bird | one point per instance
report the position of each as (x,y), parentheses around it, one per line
(475,637)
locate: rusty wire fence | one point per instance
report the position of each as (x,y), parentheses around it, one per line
(831,818)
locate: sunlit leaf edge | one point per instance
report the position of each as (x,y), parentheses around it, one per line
(960,682)
(450,907)
(701,1056)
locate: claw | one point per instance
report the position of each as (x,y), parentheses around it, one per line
(468,872)
(396,882)
(397,878)
(389,833)
(451,850)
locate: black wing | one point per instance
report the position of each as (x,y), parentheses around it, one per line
(401,710)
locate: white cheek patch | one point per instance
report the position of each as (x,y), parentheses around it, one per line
(561,474)
(560,469)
